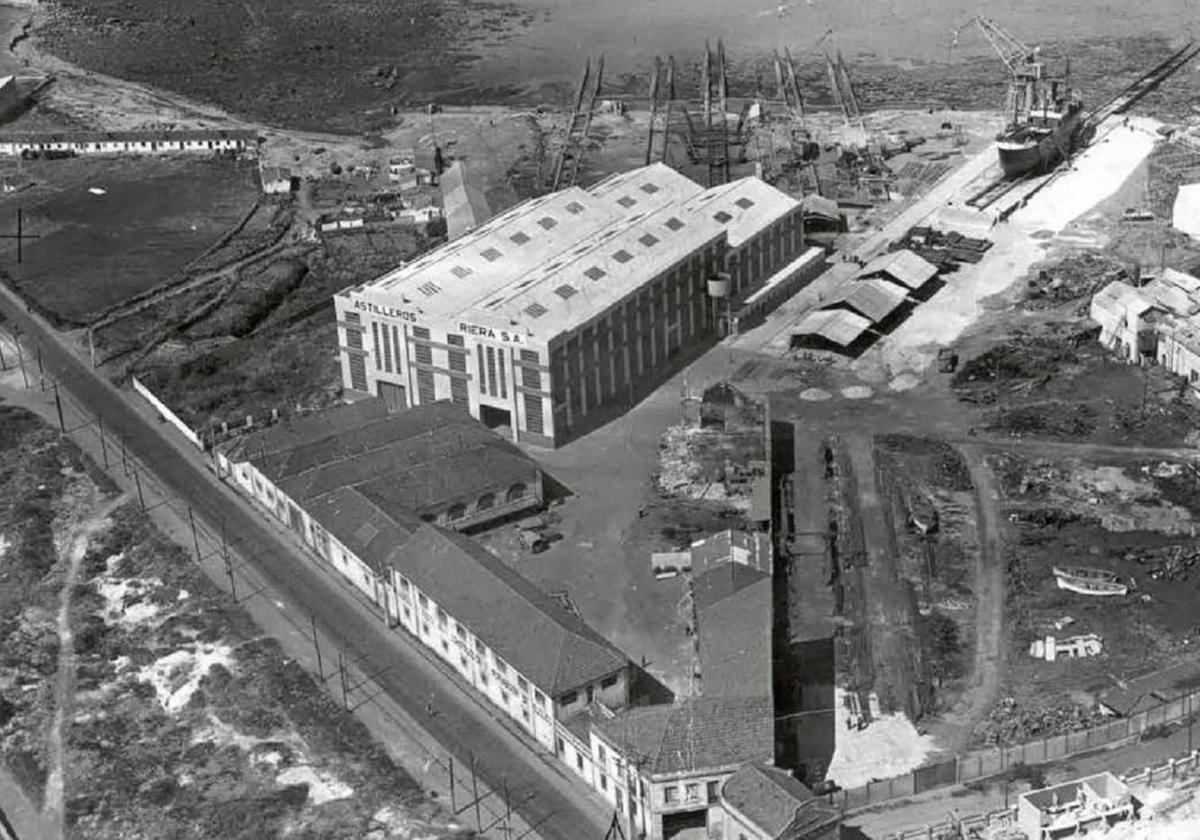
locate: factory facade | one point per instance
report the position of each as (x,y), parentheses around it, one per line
(567,305)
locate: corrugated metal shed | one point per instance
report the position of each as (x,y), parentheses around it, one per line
(903,266)
(836,325)
(874,298)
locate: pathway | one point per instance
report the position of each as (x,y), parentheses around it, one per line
(72,547)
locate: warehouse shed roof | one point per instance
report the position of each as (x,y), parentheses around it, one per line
(839,326)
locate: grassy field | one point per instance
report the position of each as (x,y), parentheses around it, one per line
(272,343)
(94,250)
(183,721)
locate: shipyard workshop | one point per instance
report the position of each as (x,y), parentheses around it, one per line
(570,306)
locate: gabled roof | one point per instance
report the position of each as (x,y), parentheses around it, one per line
(873,297)
(903,265)
(734,624)
(697,735)
(364,528)
(1119,298)
(1174,291)
(779,805)
(838,326)
(297,431)
(466,205)
(745,207)
(752,548)
(818,206)
(553,649)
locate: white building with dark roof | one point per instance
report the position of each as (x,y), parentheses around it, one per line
(567,304)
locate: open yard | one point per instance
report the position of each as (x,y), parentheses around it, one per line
(110,228)
(137,700)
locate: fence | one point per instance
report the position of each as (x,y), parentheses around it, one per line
(351,677)
(982,764)
(978,824)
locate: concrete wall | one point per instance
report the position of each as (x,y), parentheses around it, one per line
(166,413)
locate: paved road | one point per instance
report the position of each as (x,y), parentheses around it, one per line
(460,725)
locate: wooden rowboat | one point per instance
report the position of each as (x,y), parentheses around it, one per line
(1091,587)
(1085,573)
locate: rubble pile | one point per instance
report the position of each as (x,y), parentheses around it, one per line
(703,464)
(1046,419)
(1170,562)
(1076,278)
(1009,723)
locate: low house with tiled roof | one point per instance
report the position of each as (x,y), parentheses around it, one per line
(537,662)
(765,803)
(433,461)
(662,767)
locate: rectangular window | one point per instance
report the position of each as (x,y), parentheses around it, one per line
(579,761)
(441,618)
(458,392)
(375,347)
(522,686)
(479,648)
(396,347)
(692,791)
(714,790)
(422,600)
(540,699)
(570,697)
(491,370)
(608,682)
(422,352)
(387,349)
(603,782)
(670,794)
(482,378)
(425,388)
(503,380)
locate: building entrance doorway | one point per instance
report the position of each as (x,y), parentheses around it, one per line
(495,418)
(394,396)
(686,825)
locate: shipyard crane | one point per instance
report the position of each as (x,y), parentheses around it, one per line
(1017,57)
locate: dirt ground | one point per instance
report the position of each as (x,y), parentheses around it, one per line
(151,704)
(93,248)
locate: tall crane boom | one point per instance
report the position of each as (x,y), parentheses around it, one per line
(1015,55)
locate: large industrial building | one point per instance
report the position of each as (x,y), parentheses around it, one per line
(569,304)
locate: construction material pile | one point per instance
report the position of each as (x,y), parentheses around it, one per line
(1009,723)
(708,465)
(1169,562)
(945,249)
(1075,278)
(1021,365)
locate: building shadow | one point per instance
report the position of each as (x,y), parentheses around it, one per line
(645,689)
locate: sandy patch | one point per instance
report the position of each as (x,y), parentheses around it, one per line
(177,675)
(815,394)
(5,545)
(322,787)
(1018,244)
(856,392)
(904,382)
(889,746)
(118,592)
(390,821)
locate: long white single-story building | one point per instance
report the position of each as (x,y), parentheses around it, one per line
(199,140)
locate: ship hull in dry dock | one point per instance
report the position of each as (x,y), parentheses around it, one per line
(1021,153)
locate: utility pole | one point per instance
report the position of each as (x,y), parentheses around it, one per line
(138,481)
(475,794)
(62,426)
(103,446)
(342,672)
(195,538)
(321,669)
(228,565)
(21,360)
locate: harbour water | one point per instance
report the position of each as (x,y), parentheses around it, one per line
(631,32)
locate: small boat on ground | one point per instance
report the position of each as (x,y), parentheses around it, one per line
(1089,573)
(1092,587)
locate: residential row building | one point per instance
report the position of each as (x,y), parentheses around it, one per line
(378,496)
(552,315)
(1155,323)
(166,141)
(367,492)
